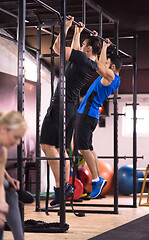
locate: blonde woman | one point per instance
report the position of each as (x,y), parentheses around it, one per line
(12,128)
(3,204)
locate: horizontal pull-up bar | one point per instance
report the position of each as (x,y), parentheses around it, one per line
(48,55)
(127,64)
(68,158)
(78,24)
(49,8)
(127,55)
(99,9)
(89,31)
(123,37)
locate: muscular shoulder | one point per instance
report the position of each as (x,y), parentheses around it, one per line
(105,82)
(115,80)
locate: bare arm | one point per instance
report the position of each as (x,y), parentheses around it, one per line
(56,46)
(76,37)
(104,71)
(3,159)
(3,204)
(15,184)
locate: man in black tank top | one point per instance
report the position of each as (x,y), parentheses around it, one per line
(81,67)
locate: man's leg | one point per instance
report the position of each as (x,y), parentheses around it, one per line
(96,161)
(91,162)
(98,183)
(67,168)
(52,152)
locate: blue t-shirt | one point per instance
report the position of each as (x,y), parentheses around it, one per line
(96,95)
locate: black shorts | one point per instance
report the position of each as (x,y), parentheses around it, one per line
(85,125)
(50,126)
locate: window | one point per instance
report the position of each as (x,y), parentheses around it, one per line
(30,70)
(142,121)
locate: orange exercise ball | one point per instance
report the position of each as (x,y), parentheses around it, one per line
(107,172)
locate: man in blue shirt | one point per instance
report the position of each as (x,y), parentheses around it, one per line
(88,112)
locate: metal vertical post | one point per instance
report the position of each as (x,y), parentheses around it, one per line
(116,130)
(134,122)
(52,91)
(62,114)
(38,109)
(84,12)
(52,64)
(100,24)
(20,96)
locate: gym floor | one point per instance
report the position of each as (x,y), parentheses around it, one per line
(84,227)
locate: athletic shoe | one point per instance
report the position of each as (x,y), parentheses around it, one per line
(69,190)
(97,187)
(56,200)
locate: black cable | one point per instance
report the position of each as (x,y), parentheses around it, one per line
(75,161)
(47,195)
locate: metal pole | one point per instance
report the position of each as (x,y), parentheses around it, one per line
(20,96)
(52,63)
(134,123)
(45,158)
(116,133)
(100,24)
(9,13)
(38,109)
(84,12)
(8,38)
(61,17)
(125,54)
(49,8)
(52,91)
(62,114)
(99,9)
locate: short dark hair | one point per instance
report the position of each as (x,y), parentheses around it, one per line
(116,60)
(95,43)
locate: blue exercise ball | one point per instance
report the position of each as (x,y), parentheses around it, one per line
(125,180)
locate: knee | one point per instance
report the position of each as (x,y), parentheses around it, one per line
(83,151)
(43,147)
(46,148)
